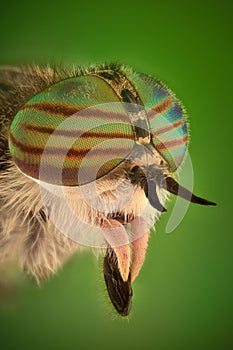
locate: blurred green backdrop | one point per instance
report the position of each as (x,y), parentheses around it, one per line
(183,296)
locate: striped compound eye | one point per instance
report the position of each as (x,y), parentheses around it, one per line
(57,130)
(80,129)
(167,119)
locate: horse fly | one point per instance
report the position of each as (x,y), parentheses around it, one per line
(87,158)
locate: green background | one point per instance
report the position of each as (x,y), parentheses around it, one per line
(183,296)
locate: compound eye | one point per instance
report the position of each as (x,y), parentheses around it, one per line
(167,118)
(71,133)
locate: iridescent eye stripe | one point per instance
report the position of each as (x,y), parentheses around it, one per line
(167,128)
(52,108)
(69,176)
(168,145)
(72,153)
(161,107)
(73,133)
(66,111)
